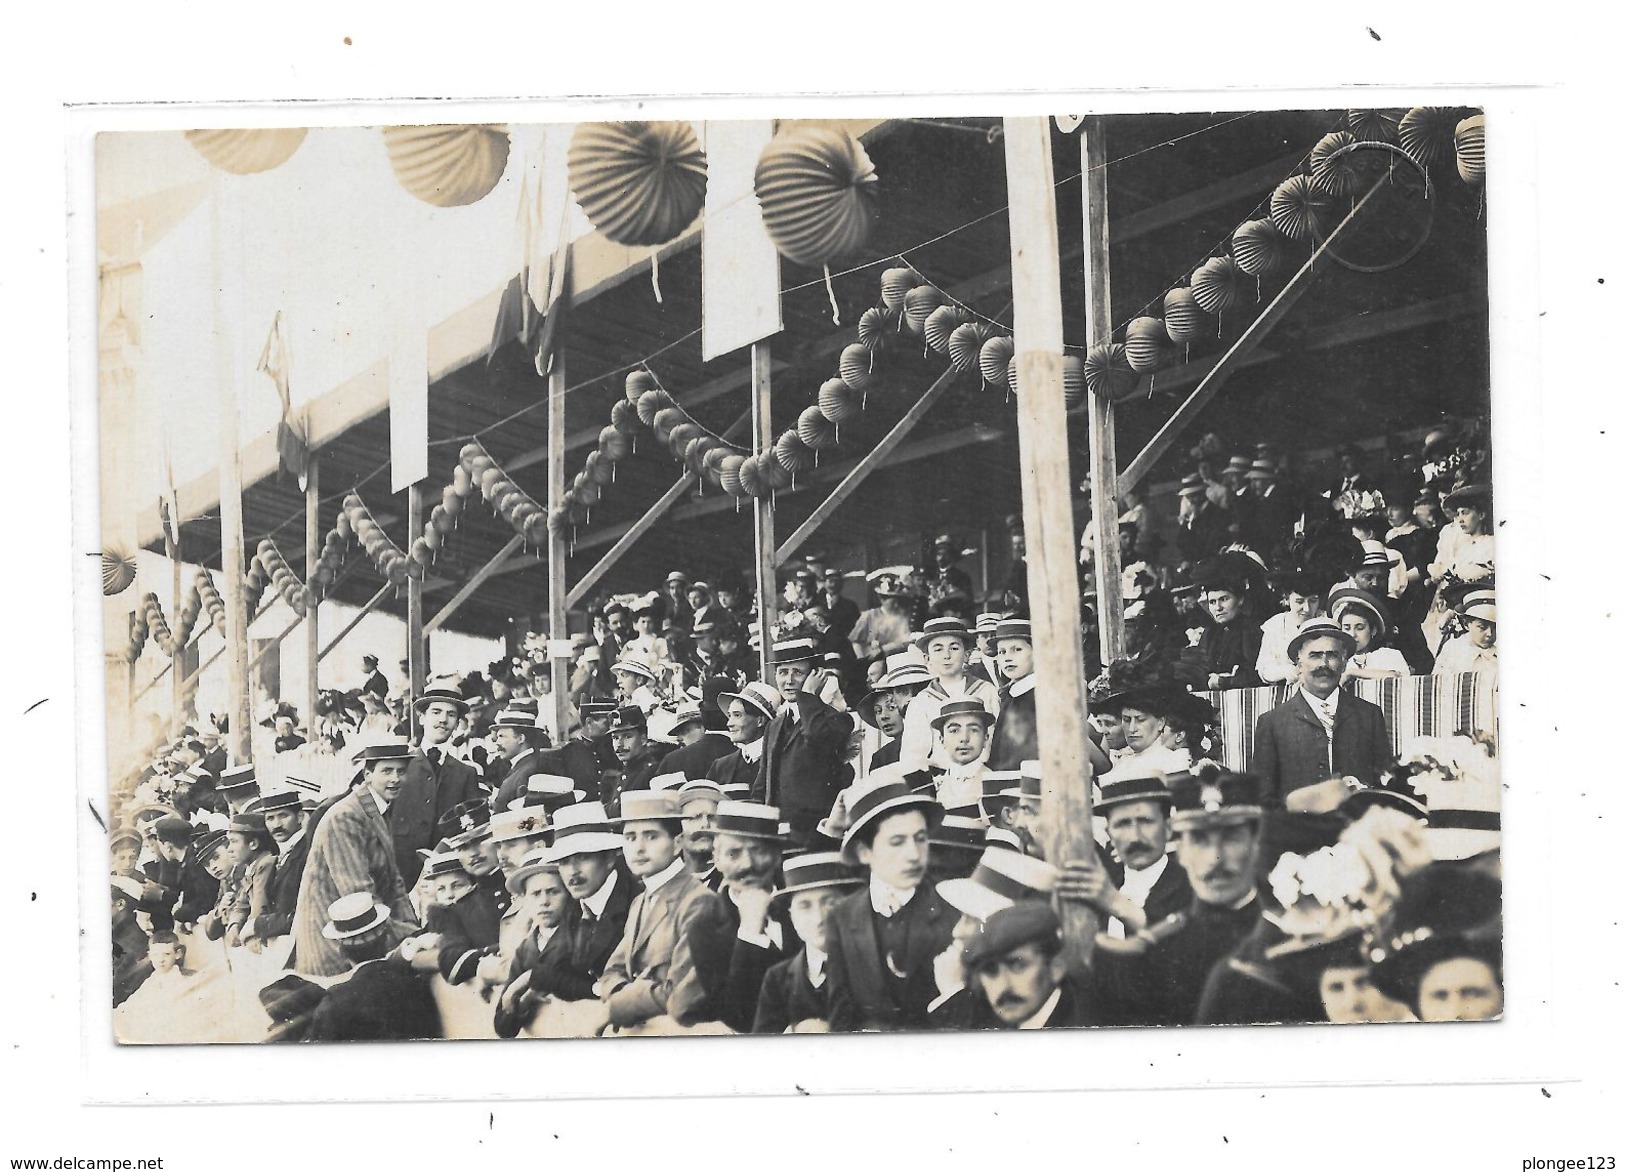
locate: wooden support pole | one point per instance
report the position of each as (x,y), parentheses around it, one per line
(1065,830)
(197,673)
(313,552)
(643,524)
(873,460)
(767,589)
(1097,279)
(177,695)
(416,645)
(239,710)
(1239,353)
(370,606)
(275,642)
(475,581)
(558,603)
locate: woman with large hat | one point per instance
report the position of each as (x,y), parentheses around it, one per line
(1366,619)
(1440,950)
(885,628)
(1224,649)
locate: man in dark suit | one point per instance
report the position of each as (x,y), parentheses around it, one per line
(885,939)
(285,821)
(697,747)
(794,994)
(382,999)
(1143,885)
(843,612)
(436,782)
(587,852)
(1017,979)
(584,758)
(517,735)
(750,711)
(1323,731)
(804,758)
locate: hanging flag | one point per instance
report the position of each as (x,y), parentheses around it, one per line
(536,301)
(292,444)
(169,505)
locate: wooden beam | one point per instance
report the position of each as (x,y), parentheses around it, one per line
(869,463)
(209,662)
(416,648)
(558,606)
(761,424)
(1214,196)
(1065,826)
(275,642)
(1240,349)
(1097,279)
(313,553)
(475,581)
(239,708)
(370,606)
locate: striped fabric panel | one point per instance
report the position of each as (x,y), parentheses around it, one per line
(1412,706)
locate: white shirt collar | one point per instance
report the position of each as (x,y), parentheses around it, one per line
(888,900)
(1045,1011)
(516,760)
(284,847)
(655,882)
(751,751)
(1328,705)
(1137,885)
(816,959)
(596,902)
(1024,685)
(383,806)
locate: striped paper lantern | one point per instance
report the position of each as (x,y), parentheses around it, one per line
(966,342)
(818,192)
(837,401)
(728,473)
(640,183)
(1074,384)
(815,429)
(1428,133)
(1333,173)
(857,366)
(1182,317)
(940,326)
(1106,370)
(920,303)
(1470,149)
(876,327)
(1258,247)
(1374,125)
(895,284)
(650,404)
(1300,209)
(793,455)
(637,382)
(1216,284)
(118,572)
(994,360)
(1147,344)
(447,166)
(246,152)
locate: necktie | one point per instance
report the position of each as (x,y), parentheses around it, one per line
(1328,723)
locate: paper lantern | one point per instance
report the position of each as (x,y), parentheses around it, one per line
(837,402)
(1470,149)
(712,457)
(1147,345)
(940,326)
(793,455)
(614,443)
(461,483)
(1074,385)
(1182,317)
(1258,247)
(431,538)
(640,183)
(443,522)
(558,520)
(920,303)
(994,359)
(246,152)
(895,284)
(1215,285)
(650,404)
(966,342)
(1374,125)
(665,419)
(589,494)
(1334,175)
(778,476)
(1428,133)
(447,166)
(623,416)
(451,501)
(753,478)
(815,429)
(729,473)
(637,382)
(876,327)
(1106,370)
(857,366)
(468,453)
(818,193)
(601,471)
(117,573)
(682,435)
(1300,209)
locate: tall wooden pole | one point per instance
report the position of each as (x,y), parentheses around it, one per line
(761,419)
(416,647)
(1065,830)
(177,691)
(313,553)
(1097,278)
(557,592)
(239,712)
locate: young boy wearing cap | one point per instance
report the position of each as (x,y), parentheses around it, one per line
(794,994)
(544,902)
(884,939)
(885,708)
(653,962)
(946,644)
(962,728)
(465,916)
(1015,735)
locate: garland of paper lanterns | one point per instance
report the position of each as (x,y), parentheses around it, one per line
(477,471)
(282,578)
(387,557)
(213,605)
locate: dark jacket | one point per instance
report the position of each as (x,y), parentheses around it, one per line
(1161,982)
(843,614)
(804,764)
(514,780)
(1015,733)
(969,1010)
(787,996)
(569,972)
(383,1000)
(741,965)
(643,766)
(1290,751)
(1169,894)
(1247,988)
(283,891)
(733,769)
(579,761)
(692,761)
(1229,650)
(528,958)
(1206,535)
(432,790)
(468,931)
(869,990)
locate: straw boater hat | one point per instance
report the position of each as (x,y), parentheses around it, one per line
(958,831)
(582,829)
(891,582)
(1261,469)
(687,713)
(648,805)
(1000,880)
(1240,465)
(747,820)
(446,690)
(954,709)
(388,749)
(809,872)
(288,799)
(1319,628)
(940,628)
(1005,840)
(520,822)
(547,791)
(352,915)
(764,698)
(634,666)
(1013,628)
(1192,485)
(237,778)
(1361,602)
(672,781)
(1132,783)
(1393,790)
(988,621)
(534,863)
(1478,604)
(701,789)
(885,791)
(794,650)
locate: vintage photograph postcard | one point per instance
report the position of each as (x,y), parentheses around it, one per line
(798,576)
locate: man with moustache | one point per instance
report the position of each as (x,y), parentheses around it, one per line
(637,758)
(587,852)
(583,758)
(518,737)
(697,802)
(1159,975)
(279,893)
(1144,884)
(436,781)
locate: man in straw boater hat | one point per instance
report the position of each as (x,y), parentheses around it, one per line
(353,850)
(275,894)
(659,962)
(697,802)
(946,644)
(637,759)
(749,710)
(884,939)
(239,786)
(436,781)
(1142,884)
(519,738)
(803,759)
(1323,731)
(382,999)
(794,994)
(1217,822)
(748,848)
(884,709)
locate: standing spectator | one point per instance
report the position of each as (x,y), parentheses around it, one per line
(842,611)
(375,683)
(1203,526)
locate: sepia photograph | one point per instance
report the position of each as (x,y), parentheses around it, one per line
(797,576)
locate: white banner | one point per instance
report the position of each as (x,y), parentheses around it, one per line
(408,409)
(739,275)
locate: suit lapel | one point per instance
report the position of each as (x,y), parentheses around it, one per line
(863,957)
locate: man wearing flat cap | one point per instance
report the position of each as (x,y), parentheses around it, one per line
(1017,976)
(436,781)
(351,850)
(1158,976)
